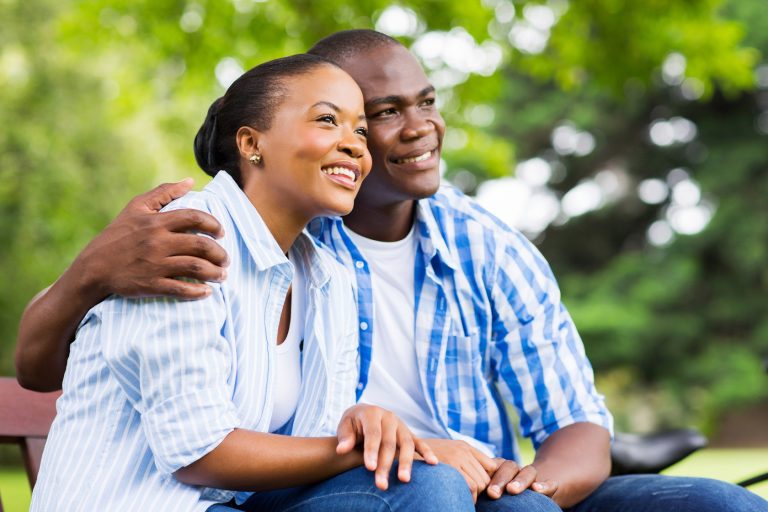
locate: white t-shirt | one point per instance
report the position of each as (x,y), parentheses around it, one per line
(393,378)
(288,356)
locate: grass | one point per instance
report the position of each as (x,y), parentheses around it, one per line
(730,465)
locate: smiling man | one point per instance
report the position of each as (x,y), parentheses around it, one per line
(458,312)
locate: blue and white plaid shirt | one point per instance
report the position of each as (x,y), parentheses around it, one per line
(489,327)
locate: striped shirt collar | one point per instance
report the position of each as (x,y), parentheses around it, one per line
(261,244)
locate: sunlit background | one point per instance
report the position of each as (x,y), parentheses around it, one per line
(626,139)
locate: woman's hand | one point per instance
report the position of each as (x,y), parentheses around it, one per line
(382,435)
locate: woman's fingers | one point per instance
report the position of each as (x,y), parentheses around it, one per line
(406,443)
(371,427)
(346,436)
(387,449)
(426,452)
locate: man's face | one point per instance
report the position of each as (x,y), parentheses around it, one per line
(405,130)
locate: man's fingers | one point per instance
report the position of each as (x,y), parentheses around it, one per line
(508,469)
(405,460)
(546,487)
(163,194)
(470,483)
(187,219)
(167,287)
(346,436)
(522,481)
(200,247)
(193,268)
(426,452)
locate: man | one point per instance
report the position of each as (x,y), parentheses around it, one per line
(457,311)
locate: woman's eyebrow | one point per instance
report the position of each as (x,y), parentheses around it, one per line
(335,108)
(327,104)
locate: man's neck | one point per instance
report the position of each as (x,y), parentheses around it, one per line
(388,223)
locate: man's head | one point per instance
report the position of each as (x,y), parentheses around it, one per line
(405,128)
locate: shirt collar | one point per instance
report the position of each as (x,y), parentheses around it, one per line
(262,246)
(428,216)
(428,230)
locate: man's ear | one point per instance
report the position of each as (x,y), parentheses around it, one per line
(248,142)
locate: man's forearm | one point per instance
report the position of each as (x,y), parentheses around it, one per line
(578,458)
(48,326)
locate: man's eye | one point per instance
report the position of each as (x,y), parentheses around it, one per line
(385,112)
(428,102)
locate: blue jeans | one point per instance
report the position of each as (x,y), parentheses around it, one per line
(631,493)
(432,488)
(641,493)
(657,493)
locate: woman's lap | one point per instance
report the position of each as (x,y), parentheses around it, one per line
(440,488)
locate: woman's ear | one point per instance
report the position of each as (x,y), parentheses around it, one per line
(248,144)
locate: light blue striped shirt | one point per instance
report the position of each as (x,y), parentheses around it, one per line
(152,385)
(489,327)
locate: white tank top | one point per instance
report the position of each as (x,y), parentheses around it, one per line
(393,378)
(288,356)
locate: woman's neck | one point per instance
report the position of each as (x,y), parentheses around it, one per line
(385,223)
(284,224)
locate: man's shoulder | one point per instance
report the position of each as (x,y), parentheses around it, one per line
(451,205)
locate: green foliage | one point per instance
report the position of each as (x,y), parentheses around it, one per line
(102,98)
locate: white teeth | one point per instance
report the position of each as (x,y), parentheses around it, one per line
(413,159)
(341,170)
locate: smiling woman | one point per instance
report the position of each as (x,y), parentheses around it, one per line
(180,404)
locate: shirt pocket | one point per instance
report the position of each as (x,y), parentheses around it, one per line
(465,384)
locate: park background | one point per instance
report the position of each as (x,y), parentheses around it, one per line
(628,140)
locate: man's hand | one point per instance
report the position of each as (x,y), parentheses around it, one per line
(382,434)
(142,250)
(511,477)
(474,466)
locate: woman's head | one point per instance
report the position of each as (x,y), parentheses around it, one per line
(295,125)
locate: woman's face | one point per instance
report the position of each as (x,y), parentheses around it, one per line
(315,154)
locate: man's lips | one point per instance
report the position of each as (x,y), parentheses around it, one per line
(415,157)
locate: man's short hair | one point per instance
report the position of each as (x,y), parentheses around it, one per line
(340,46)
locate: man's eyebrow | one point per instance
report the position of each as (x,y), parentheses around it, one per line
(427,90)
(384,99)
(398,99)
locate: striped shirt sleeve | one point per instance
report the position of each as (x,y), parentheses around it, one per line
(540,358)
(172,362)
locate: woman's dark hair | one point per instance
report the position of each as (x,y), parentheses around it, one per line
(251,100)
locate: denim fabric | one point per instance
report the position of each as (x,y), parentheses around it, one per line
(432,488)
(659,493)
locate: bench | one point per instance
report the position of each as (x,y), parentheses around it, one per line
(25,418)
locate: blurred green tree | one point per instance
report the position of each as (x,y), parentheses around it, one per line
(101,99)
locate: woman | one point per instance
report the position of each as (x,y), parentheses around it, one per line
(166,403)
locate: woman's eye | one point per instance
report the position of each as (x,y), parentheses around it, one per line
(362,131)
(328,118)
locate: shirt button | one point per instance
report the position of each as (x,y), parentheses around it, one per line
(359,264)
(364,326)
(360,386)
